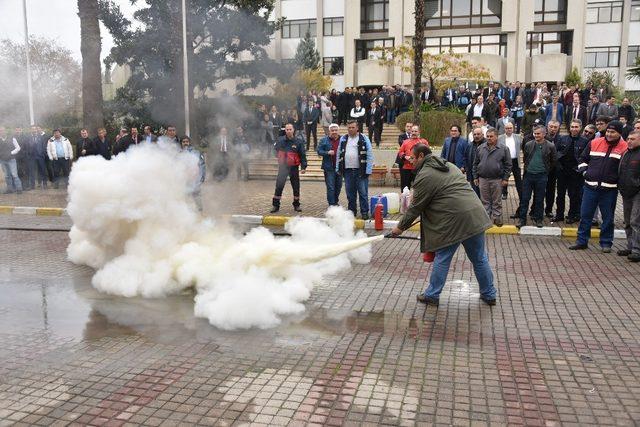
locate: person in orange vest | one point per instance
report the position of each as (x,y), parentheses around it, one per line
(405,153)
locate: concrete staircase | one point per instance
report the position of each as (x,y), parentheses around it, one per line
(268,168)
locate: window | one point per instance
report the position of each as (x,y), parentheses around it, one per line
(462,13)
(549,42)
(608,11)
(551,11)
(602,57)
(635,10)
(374,15)
(495,44)
(364,48)
(298,28)
(632,53)
(333,26)
(333,65)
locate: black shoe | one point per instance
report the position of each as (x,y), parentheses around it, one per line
(504,197)
(498,222)
(606,249)
(557,219)
(624,252)
(521,224)
(571,220)
(427,300)
(549,214)
(515,216)
(297,208)
(274,209)
(488,301)
(634,257)
(539,223)
(365,217)
(578,247)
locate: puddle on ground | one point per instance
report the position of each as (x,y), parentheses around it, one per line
(74,309)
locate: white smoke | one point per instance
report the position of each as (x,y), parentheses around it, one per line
(136,224)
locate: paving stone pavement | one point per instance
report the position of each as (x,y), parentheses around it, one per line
(254,198)
(560,347)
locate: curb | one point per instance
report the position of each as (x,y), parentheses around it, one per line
(28,210)
(280,221)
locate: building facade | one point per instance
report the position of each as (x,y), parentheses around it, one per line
(517,40)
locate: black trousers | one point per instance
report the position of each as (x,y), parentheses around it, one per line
(60,171)
(569,182)
(550,195)
(343,117)
(406,178)
(375,135)
(517,177)
(293,173)
(311,130)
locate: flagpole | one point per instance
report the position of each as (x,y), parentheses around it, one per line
(26,42)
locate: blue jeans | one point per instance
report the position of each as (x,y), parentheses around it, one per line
(535,183)
(391,115)
(477,253)
(333,181)
(357,188)
(10,168)
(605,199)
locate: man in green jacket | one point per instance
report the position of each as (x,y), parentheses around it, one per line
(451,214)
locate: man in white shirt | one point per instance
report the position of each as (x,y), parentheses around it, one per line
(358,114)
(9,148)
(355,164)
(513,142)
(478,122)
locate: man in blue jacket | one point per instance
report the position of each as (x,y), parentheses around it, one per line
(455,148)
(328,149)
(355,164)
(555,110)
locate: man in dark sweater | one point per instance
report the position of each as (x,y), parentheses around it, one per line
(629,186)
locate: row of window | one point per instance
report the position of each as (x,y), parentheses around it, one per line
(460,13)
(594,57)
(299,27)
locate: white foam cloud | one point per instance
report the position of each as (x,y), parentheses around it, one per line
(136,224)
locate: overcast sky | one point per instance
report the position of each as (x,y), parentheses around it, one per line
(54,19)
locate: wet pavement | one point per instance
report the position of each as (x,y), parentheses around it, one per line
(560,347)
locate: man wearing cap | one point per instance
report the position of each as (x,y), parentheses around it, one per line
(327,149)
(599,164)
(629,184)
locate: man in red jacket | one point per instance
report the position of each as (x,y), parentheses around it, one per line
(291,155)
(599,163)
(405,153)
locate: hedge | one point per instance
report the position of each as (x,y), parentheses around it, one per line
(434,124)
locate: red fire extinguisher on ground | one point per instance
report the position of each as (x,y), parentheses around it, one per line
(428,256)
(377,216)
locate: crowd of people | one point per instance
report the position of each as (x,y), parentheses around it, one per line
(32,161)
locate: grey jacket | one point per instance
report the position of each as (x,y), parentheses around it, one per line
(518,141)
(610,111)
(492,163)
(500,124)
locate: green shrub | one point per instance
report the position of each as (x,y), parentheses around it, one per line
(434,124)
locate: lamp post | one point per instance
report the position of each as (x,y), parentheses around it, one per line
(26,42)
(185,69)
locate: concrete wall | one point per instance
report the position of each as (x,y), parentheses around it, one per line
(333,8)
(549,67)
(496,64)
(299,9)
(370,72)
(351,33)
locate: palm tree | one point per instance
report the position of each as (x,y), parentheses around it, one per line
(418,51)
(90,46)
(634,72)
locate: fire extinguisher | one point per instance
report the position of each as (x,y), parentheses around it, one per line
(377,216)
(428,256)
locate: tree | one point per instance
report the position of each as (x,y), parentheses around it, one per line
(90,47)
(55,76)
(441,70)
(573,77)
(307,56)
(305,80)
(226,40)
(418,47)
